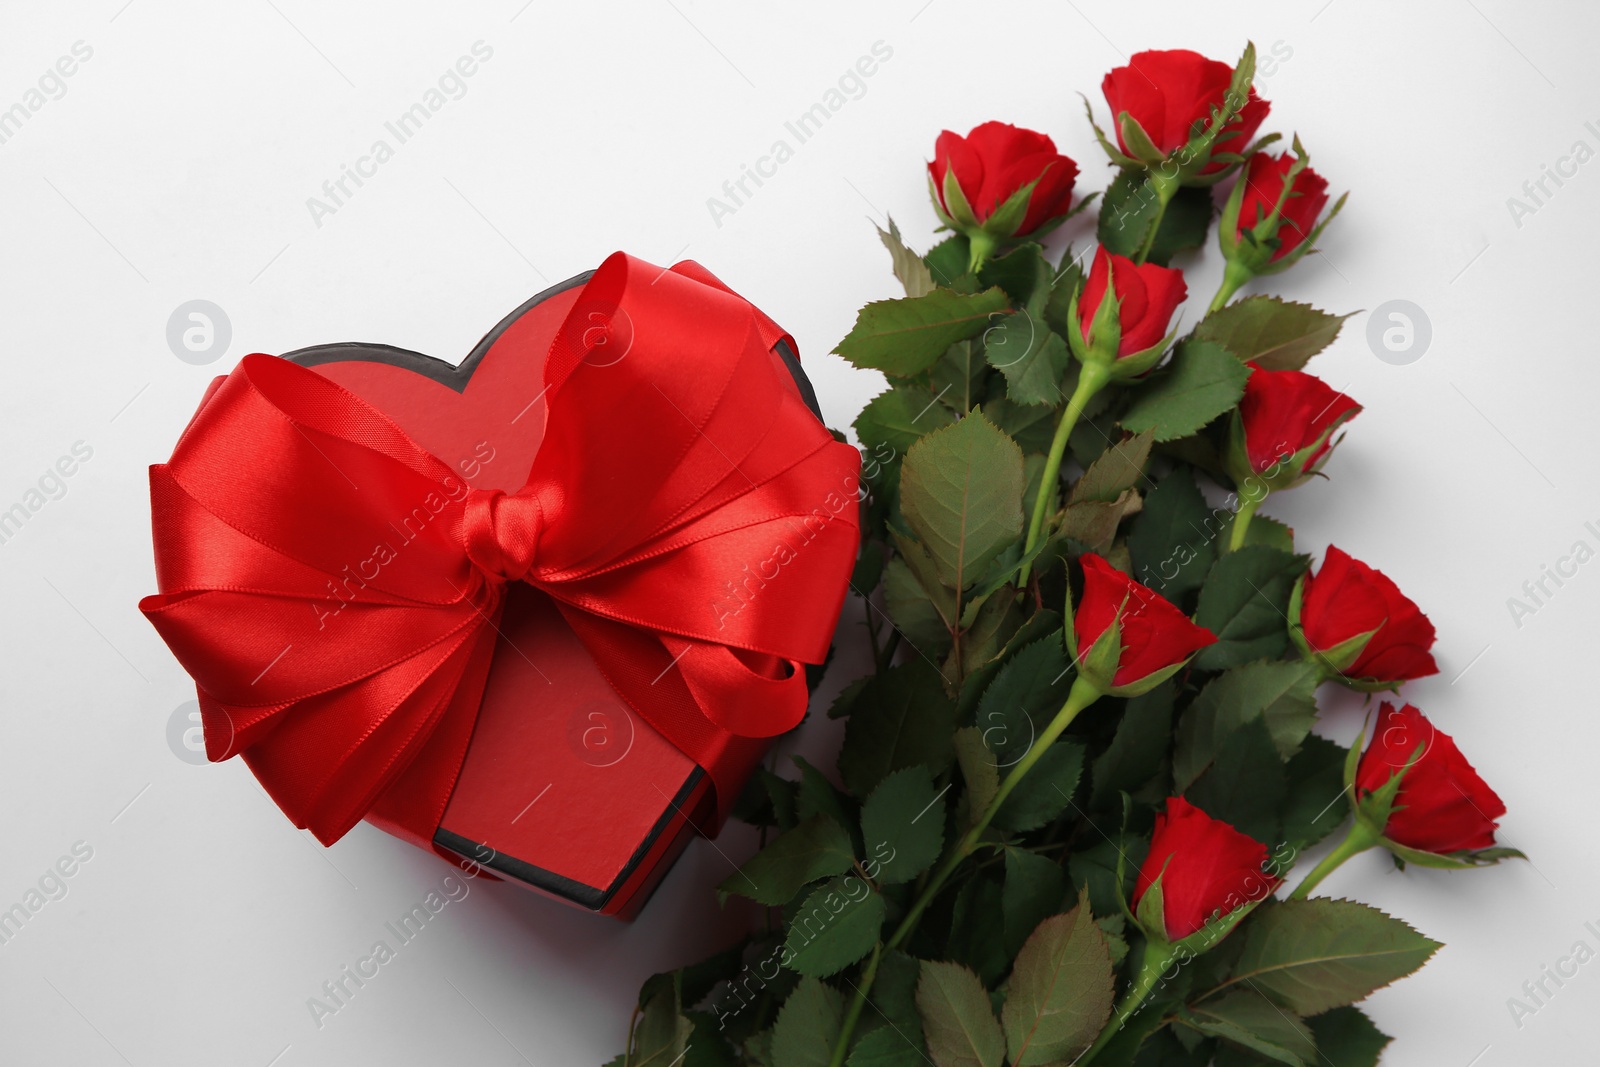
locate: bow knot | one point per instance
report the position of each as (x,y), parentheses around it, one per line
(500,532)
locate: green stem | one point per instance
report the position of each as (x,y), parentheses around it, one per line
(1092,377)
(1360,838)
(872,632)
(1157,958)
(1234,275)
(1241,521)
(1165,190)
(853,1015)
(982,247)
(1082,694)
(889,647)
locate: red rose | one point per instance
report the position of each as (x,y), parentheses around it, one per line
(1155,635)
(1147,296)
(1263,184)
(1443,805)
(992,164)
(1346,599)
(1206,868)
(1289,413)
(1171,96)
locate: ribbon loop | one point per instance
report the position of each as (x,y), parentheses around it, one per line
(500,532)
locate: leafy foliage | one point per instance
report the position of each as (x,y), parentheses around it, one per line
(961,897)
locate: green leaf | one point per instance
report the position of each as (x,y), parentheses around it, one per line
(808,1026)
(1346,1038)
(1245,785)
(907,602)
(902,719)
(947,261)
(1137,749)
(1129,208)
(1174,539)
(893,1006)
(1094,523)
(1281,693)
(988,622)
(1023,698)
(817,848)
(1249,1019)
(1272,333)
(908,266)
(960,377)
(956,1018)
(1119,468)
(961,494)
(1097,866)
(978,771)
(1030,426)
(1041,624)
(905,337)
(1316,804)
(1060,991)
(1314,955)
(692,984)
(1062,289)
(709,1045)
(1022,273)
(1202,381)
(902,825)
(662,1032)
(976,935)
(1034,888)
(818,796)
(898,418)
(836,926)
(1032,357)
(1046,791)
(1269,533)
(1245,602)
(885,1047)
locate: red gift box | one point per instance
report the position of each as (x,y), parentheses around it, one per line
(592,722)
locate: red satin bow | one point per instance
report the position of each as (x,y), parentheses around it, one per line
(334,589)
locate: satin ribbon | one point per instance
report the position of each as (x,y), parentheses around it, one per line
(334,589)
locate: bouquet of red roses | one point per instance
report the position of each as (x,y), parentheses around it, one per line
(1084,766)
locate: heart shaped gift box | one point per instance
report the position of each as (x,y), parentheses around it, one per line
(541,612)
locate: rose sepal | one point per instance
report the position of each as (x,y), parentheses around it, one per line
(1286,472)
(1105,336)
(1338,659)
(1151,920)
(1252,255)
(1185,165)
(1372,811)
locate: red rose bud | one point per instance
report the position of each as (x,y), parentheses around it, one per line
(1000,182)
(1358,623)
(1273,215)
(1206,869)
(1282,431)
(1162,103)
(1442,806)
(1128,638)
(1128,331)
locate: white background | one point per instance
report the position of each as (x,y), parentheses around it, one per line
(177,165)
